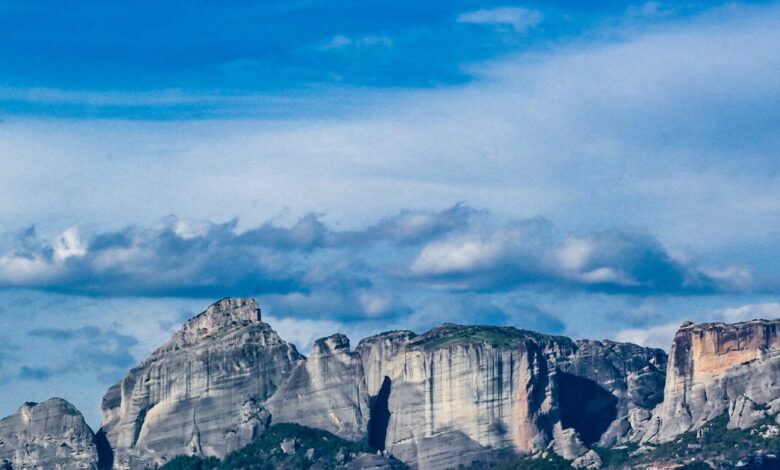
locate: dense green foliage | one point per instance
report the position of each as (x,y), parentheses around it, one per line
(266,453)
(550,462)
(714,443)
(496,336)
(616,456)
(717,442)
(192,463)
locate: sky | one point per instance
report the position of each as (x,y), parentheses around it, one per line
(591,169)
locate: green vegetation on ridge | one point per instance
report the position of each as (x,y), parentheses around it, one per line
(266,452)
(496,336)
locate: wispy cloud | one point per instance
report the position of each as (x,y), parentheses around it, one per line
(661,336)
(766,311)
(341,41)
(518,18)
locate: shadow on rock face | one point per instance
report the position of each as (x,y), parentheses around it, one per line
(585,406)
(380,416)
(104,451)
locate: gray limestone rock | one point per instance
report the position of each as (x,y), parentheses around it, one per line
(632,375)
(460,393)
(202,392)
(51,435)
(327,391)
(447,397)
(589,460)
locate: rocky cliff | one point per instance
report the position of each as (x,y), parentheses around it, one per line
(460,393)
(608,389)
(327,391)
(716,368)
(51,435)
(202,392)
(436,400)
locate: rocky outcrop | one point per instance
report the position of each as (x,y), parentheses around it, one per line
(202,392)
(458,393)
(327,391)
(437,400)
(51,435)
(716,368)
(608,389)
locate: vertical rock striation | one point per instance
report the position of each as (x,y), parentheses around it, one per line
(51,435)
(437,400)
(202,392)
(458,393)
(718,368)
(327,391)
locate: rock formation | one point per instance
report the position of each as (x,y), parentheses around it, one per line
(202,392)
(437,400)
(458,393)
(327,391)
(716,368)
(51,435)
(607,389)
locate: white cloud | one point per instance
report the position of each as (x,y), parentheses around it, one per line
(520,19)
(462,254)
(574,253)
(340,41)
(654,337)
(766,311)
(684,141)
(660,336)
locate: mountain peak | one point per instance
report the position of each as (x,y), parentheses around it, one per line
(224,314)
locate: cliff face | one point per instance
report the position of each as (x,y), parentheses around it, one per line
(717,368)
(327,391)
(436,400)
(458,393)
(608,389)
(50,435)
(202,392)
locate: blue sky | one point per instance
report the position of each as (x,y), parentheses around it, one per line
(595,170)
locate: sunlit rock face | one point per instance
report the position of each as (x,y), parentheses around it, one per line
(437,400)
(327,391)
(717,368)
(49,435)
(458,393)
(202,392)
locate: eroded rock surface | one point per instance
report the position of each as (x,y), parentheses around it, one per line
(437,400)
(718,368)
(51,435)
(458,393)
(327,391)
(202,392)
(610,388)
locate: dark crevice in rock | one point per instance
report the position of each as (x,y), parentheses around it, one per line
(585,406)
(380,416)
(104,451)
(139,424)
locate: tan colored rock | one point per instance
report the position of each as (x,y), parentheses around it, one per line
(717,368)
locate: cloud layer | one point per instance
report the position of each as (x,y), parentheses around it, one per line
(457,249)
